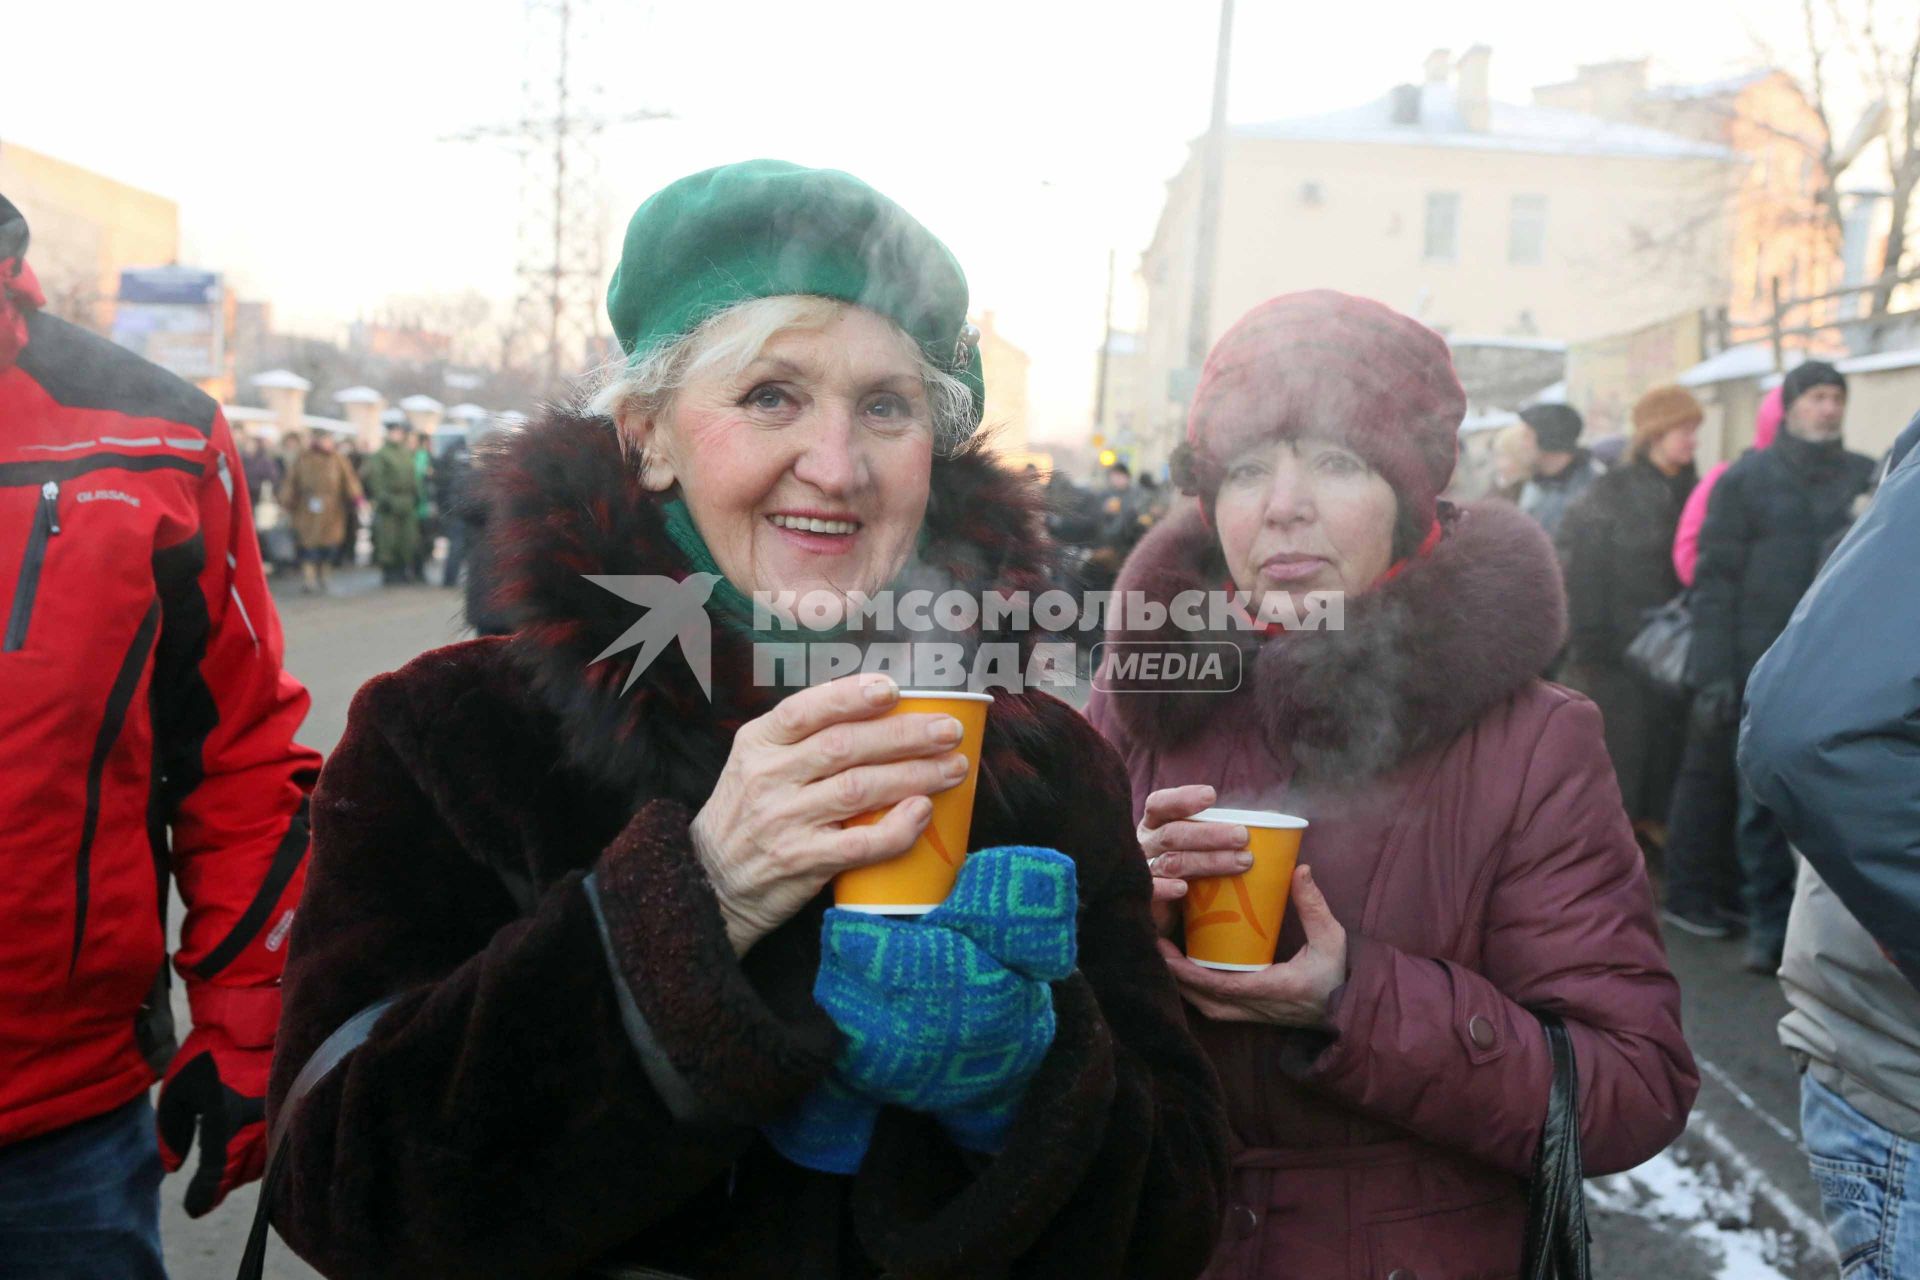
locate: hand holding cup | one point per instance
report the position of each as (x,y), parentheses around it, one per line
(1178,850)
(771,835)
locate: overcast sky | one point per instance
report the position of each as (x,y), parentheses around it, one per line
(303,141)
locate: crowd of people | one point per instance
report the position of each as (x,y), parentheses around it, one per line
(1737,550)
(540,976)
(314,496)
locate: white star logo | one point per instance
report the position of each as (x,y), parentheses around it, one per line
(674,609)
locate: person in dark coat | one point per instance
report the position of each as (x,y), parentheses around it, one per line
(1562,469)
(623,1037)
(1702,868)
(1768,521)
(1467,863)
(450,485)
(1616,545)
(263,470)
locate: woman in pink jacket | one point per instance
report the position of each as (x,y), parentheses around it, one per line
(1468,862)
(1686,537)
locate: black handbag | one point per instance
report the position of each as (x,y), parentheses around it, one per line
(1557,1235)
(1659,653)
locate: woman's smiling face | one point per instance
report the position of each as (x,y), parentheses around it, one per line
(808,470)
(1304,515)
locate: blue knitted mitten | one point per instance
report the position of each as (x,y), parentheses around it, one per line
(949,1013)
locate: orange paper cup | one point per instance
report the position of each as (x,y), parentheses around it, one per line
(1233,922)
(919,880)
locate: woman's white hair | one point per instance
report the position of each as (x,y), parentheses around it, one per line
(731,339)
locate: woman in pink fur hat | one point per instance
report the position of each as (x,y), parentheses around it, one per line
(1468,864)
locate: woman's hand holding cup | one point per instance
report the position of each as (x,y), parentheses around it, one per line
(770,836)
(1178,850)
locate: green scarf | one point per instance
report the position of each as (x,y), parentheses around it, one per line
(728,604)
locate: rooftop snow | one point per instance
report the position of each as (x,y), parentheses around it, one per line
(1487,420)
(1513,344)
(1543,130)
(1880,363)
(1710,89)
(359,395)
(284,379)
(421,404)
(467,411)
(1751,360)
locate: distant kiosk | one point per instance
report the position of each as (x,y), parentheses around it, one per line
(286,395)
(423,413)
(363,407)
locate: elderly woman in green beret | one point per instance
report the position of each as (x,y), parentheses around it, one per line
(588,865)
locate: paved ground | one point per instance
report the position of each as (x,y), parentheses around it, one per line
(334,645)
(1731,1201)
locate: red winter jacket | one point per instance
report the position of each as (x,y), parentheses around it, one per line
(141,698)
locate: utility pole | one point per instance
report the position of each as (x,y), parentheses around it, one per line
(562,267)
(1106,348)
(1199,323)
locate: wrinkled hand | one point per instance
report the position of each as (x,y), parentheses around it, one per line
(770,837)
(1716,706)
(1178,851)
(220,1089)
(1293,994)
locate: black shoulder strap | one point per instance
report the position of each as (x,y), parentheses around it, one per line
(1556,1247)
(332,1051)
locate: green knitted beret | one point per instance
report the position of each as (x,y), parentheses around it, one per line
(766,228)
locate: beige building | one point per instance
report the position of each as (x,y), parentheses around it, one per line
(1480,218)
(86,229)
(1779,230)
(1004,366)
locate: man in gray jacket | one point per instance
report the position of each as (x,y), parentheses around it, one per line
(1831,745)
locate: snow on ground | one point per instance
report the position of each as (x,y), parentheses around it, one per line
(1693,1203)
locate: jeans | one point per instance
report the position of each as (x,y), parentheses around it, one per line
(1870,1201)
(83,1202)
(1767,866)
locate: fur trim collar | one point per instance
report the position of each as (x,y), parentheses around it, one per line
(563,502)
(1419,659)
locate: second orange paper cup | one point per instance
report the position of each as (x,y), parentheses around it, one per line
(1233,922)
(919,880)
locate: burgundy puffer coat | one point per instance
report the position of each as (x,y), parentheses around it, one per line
(1467,831)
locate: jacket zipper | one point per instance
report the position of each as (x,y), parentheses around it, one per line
(46,524)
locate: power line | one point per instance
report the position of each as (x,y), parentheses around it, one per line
(562,266)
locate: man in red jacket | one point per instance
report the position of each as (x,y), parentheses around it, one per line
(146,734)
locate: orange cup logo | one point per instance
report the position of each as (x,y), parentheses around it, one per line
(1233,922)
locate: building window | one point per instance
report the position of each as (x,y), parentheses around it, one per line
(1527,231)
(1443,226)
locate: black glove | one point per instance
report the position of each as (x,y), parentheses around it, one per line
(1717,706)
(219,1088)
